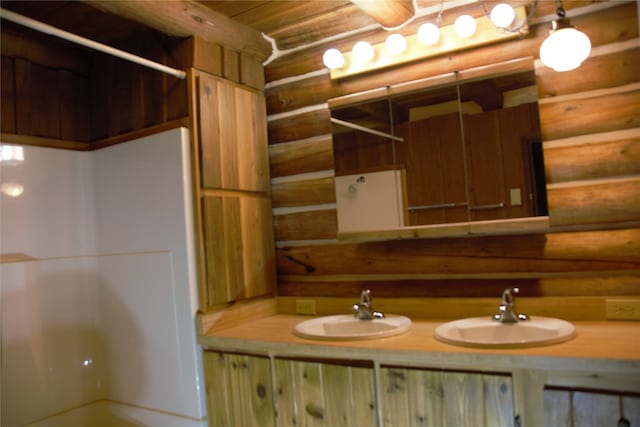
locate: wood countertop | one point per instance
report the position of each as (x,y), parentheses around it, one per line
(603,346)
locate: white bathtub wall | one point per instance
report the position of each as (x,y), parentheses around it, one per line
(51,331)
(106,311)
(146,272)
(54,216)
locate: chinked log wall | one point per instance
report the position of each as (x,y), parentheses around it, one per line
(591,131)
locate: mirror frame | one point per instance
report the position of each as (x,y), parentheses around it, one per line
(524,225)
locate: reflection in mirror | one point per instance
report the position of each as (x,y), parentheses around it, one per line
(432,156)
(369,187)
(462,151)
(503,147)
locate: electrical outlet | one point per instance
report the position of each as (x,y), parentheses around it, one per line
(305,306)
(623,309)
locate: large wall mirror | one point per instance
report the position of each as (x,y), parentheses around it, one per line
(448,155)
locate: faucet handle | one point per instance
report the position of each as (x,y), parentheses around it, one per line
(508,297)
(506,313)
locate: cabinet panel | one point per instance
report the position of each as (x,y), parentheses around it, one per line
(239,390)
(238,246)
(422,397)
(233,136)
(589,408)
(324,395)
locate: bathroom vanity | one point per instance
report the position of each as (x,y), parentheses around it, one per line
(260,373)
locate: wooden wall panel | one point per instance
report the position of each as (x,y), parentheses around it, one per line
(8,96)
(35,83)
(480,257)
(620,70)
(601,157)
(595,202)
(75,107)
(303,193)
(230,130)
(582,115)
(309,155)
(312,225)
(301,126)
(395,286)
(238,247)
(592,173)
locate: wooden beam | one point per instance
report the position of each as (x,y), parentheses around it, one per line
(387,13)
(184,18)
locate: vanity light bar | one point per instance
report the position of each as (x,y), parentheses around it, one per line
(449,42)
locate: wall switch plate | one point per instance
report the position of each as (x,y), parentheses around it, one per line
(515,196)
(305,306)
(623,309)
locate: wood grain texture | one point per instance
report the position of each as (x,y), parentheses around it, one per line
(312,225)
(599,72)
(238,248)
(560,253)
(177,19)
(585,115)
(592,184)
(232,136)
(310,393)
(600,157)
(303,156)
(239,390)
(595,202)
(303,193)
(416,398)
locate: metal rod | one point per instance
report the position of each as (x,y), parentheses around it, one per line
(48,29)
(437,206)
(366,129)
(482,207)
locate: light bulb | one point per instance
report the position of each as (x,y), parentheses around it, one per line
(363,51)
(565,49)
(395,44)
(428,34)
(464,26)
(333,59)
(502,15)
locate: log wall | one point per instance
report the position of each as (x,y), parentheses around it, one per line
(590,120)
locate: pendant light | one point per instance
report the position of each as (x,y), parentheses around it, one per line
(565,47)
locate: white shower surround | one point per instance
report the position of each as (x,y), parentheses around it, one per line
(102,321)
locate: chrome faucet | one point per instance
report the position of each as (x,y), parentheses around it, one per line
(506,313)
(364,310)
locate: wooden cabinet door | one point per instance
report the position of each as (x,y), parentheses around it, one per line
(238,247)
(565,408)
(232,130)
(412,397)
(239,390)
(324,394)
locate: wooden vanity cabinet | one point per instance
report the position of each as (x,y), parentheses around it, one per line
(590,408)
(310,393)
(412,397)
(232,196)
(280,391)
(239,390)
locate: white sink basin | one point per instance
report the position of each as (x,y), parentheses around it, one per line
(485,332)
(347,327)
